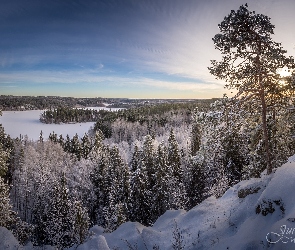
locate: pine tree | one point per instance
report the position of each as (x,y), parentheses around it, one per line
(250,63)
(147,160)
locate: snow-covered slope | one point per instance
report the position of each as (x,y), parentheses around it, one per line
(254,214)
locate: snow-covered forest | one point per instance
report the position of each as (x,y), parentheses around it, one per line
(136,164)
(55,189)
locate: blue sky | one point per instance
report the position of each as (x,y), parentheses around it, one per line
(120,48)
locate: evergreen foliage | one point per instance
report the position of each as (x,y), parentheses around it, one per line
(250,63)
(110,179)
(69,115)
(195,138)
(7,216)
(61,222)
(196,186)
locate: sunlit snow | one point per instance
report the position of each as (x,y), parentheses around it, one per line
(23,123)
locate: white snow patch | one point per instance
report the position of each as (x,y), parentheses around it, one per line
(23,123)
(94,243)
(7,240)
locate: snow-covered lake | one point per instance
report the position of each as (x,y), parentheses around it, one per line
(18,123)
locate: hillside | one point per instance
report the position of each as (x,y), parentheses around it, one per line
(265,213)
(255,214)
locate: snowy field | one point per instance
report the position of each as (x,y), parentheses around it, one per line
(18,123)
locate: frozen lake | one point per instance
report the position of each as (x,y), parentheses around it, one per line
(18,123)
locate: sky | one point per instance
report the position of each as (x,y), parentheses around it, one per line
(121,48)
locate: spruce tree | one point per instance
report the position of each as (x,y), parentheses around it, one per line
(67,145)
(76,147)
(138,204)
(111,186)
(139,208)
(119,190)
(7,216)
(196,184)
(161,190)
(61,222)
(195,138)
(177,187)
(173,157)
(85,146)
(100,179)
(59,216)
(81,223)
(148,170)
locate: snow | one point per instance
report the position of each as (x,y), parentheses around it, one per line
(7,239)
(27,123)
(229,222)
(94,243)
(8,242)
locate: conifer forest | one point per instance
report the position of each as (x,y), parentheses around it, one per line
(133,166)
(138,162)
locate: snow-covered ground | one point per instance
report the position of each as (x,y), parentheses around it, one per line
(254,214)
(27,123)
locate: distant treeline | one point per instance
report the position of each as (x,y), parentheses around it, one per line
(69,115)
(149,114)
(8,102)
(11,103)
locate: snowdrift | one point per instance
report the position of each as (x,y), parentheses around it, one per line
(255,214)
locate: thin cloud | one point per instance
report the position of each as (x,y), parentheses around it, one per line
(122,42)
(86,76)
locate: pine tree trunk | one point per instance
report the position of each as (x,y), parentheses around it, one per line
(265,135)
(264,111)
